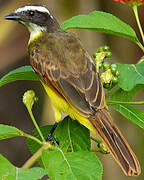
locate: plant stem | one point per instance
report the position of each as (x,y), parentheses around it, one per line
(33,138)
(36,156)
(135,9)
(35,123)
(101,146)
(121,102)
(96,140)
(140,45)
(96,150)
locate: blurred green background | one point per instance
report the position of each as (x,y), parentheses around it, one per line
(13,54)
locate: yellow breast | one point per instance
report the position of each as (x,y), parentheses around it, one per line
(60,107)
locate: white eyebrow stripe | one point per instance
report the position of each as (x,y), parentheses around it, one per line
(33,8)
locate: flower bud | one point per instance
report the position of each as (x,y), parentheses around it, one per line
(106,77)
(102,148)
(117,73)
(113,68)
(115,80)
(106,65)
(29,98)
(108,54)
(95,54)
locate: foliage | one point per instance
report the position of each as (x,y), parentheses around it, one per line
(9,172)
(101,22)
(73,159)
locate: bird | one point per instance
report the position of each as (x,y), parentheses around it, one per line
(69,76)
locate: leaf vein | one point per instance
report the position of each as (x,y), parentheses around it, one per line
(16,173)
(131,112)
(137,71)
(67,163)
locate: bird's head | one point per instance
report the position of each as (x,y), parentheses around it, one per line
(35,17)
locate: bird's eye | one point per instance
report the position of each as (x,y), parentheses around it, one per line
(31,13)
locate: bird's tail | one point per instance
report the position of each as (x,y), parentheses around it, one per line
(115,142)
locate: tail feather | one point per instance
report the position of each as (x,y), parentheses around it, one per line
(115,142)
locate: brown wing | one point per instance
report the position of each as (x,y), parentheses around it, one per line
(60,59)
(61,62)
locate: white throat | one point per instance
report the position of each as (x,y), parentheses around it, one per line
(35,29)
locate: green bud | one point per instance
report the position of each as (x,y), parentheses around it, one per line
(29,98)
(100,65)
(113,68)
(103,49)
(117,73)
(115,80)
(108,54)
(95,54)
(106,65)
(100,49)
(106,48)
(107,86)
(102,148)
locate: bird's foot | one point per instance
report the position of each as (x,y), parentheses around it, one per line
(50,136)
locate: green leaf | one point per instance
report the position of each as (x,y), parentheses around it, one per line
(9,132)
(130,75)
(6,168)
(126,96)
(9,172)
(131,113)
(31,174)
(134,115)
(71,135)
(72,165)
(33,145)
(22,73)
(101,22)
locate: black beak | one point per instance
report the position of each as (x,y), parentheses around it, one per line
(12,16)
